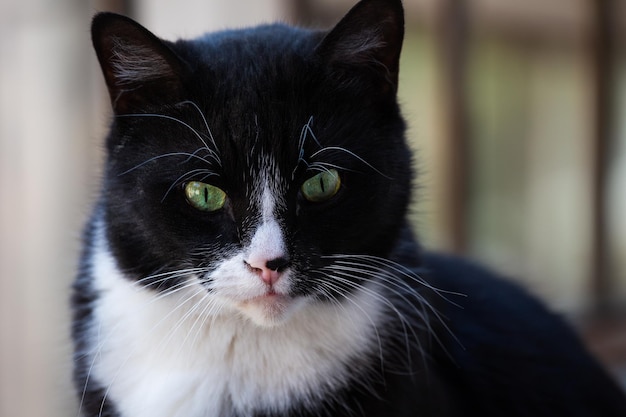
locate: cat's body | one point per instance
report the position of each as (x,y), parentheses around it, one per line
(250,256)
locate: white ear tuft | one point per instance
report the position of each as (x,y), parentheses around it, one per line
(132,63)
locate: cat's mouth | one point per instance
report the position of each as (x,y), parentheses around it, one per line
(271,298)
(269,309)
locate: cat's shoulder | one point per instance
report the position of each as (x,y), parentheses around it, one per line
(504,346)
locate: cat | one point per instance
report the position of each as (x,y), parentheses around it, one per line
(250,254)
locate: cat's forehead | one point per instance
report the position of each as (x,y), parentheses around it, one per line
(263,53)
(269,188)
(272,40)
(256,84)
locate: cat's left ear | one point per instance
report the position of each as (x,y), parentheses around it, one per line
(139,69)
(368,40)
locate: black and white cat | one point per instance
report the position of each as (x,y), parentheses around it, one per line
(250,255)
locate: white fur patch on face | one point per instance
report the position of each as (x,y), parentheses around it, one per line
(267,243)
(235,280)
(190,354)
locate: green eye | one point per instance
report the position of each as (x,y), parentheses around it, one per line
(204,197)
(322,186)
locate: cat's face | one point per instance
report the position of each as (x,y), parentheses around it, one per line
(262,169)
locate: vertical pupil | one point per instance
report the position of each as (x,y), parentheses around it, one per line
(322,182)
(206,194)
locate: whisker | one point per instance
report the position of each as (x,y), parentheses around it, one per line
(326,167)
(212,152)
(191,311)
(306,130)
(403,270)
(338,148)
(406,324)
(209,310)
(168,275)
(385,267)
(206,124)
(332,286)
(95,351)
(148,332)
(166,155)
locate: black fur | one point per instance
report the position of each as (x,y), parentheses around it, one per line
(492,351)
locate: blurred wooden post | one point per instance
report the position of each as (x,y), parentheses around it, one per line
(453,36)
(602,51)
(302,11)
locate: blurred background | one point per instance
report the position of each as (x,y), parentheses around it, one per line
(517,113)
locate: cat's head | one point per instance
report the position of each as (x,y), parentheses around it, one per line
(265,165)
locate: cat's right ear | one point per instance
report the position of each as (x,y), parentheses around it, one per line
(139,69)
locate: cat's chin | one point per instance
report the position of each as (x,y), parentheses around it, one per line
(269,310)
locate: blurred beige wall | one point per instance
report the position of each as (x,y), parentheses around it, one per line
(45,137)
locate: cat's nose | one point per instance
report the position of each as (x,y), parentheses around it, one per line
(268,270)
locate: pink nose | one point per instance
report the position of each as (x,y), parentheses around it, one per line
(269,271)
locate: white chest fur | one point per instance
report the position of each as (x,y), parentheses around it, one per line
(170,356)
